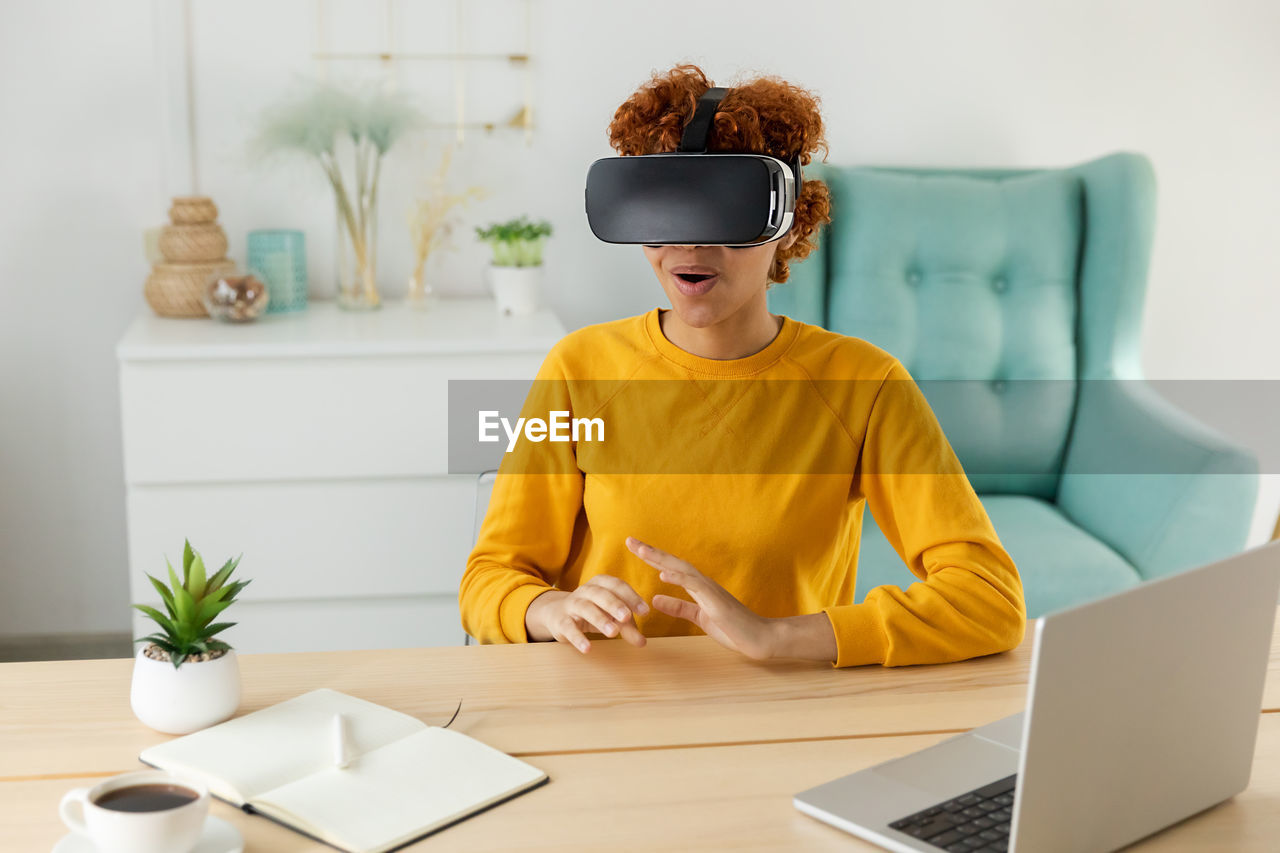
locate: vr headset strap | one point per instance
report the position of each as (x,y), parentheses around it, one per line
(694,138)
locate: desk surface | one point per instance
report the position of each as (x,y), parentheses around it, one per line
(713,742)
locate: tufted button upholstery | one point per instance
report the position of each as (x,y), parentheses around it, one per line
(1019,288)
(969,236)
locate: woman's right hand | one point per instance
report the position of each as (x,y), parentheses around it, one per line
(604,603)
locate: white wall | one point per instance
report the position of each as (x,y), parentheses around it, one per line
(1191,84)
(77,181)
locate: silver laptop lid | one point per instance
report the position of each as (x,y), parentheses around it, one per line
(1167,724)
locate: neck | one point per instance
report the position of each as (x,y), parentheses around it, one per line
(739,335)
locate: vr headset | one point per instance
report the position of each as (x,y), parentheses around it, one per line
(693,197)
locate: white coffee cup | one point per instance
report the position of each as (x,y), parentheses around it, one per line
(173,830)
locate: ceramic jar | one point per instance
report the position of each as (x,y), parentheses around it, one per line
(185,699)
(515,289)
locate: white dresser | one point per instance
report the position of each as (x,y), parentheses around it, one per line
(314,443)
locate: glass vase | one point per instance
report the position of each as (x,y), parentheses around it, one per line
(357,254)
(421,294)
(235,296)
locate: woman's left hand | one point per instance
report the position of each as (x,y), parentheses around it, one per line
(713,609)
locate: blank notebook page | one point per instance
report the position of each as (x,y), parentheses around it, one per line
(280,743)
(403,790)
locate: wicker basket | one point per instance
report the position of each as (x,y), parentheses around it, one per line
(193,243)
(176,290)
(192,210)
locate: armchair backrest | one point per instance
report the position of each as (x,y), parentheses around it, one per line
(992,276)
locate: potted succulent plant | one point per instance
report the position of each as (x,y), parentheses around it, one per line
(184,679)
(516,269)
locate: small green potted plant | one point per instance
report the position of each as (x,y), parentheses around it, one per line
(183,678)
(516,268)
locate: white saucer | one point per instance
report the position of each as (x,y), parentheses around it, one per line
(219,837)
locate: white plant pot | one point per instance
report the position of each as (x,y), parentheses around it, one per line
(516,289)
(183,700)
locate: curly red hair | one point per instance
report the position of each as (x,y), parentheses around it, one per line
(764,116)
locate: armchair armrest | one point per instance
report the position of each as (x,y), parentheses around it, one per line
(1158,486)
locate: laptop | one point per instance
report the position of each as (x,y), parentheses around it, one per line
(1142,709)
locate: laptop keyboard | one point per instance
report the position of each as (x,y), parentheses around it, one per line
(976,821)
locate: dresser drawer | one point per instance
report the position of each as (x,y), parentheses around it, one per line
(310,540)
(293,418)
(316,444)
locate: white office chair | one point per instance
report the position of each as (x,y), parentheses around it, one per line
(484,488)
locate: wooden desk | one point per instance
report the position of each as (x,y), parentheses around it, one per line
(679,744)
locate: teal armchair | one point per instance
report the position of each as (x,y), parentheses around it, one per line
(1014,297)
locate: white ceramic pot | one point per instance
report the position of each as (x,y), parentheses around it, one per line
(515,289)
(180,701)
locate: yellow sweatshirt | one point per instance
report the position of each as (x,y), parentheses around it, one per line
(757,471)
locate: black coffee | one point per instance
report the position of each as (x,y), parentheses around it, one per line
(146,798)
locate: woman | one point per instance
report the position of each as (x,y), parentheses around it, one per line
(733,506)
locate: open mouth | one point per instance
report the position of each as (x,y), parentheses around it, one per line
(695,283)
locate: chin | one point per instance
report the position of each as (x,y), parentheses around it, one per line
(699,316)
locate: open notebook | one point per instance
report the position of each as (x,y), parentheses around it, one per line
(405,779)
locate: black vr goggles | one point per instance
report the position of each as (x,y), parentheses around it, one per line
(693,197)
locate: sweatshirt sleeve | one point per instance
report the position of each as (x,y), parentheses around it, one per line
(969,599)
(530,525)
